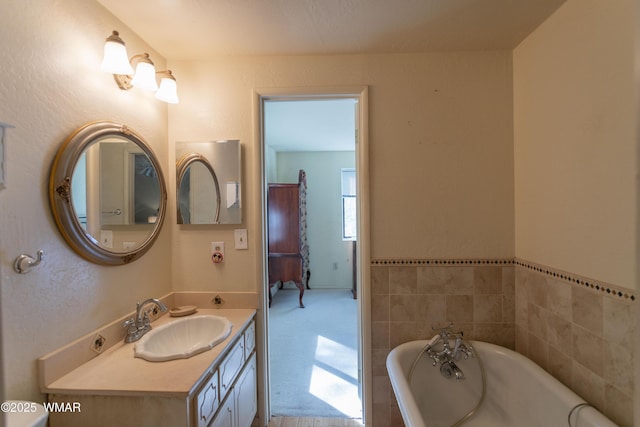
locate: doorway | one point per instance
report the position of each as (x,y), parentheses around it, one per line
(324,369)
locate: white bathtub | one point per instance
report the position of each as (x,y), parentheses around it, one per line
(518,392)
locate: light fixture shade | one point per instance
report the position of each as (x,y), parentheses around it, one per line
(115,59)
(145,76)
(168,91)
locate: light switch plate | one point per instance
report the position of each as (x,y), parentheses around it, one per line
(240,238)
(106,239)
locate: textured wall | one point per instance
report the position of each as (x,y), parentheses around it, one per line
(440,142)
(51,84)
(575,143)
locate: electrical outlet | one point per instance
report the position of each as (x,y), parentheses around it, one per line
(217,252)
(97,344)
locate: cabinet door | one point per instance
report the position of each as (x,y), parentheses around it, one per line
(207,401)
(225,415)
(246,394)
(283,210)
(249,340)
(231,366)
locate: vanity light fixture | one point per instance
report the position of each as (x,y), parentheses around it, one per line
(168,89)
(117,62)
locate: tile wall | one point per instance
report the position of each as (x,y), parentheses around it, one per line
(582,332)
(578,330)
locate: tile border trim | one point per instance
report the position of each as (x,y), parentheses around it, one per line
(605,288)
(417,261)
(596,285)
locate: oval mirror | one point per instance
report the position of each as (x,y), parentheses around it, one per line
(217,173)
(107,193)
(197,191)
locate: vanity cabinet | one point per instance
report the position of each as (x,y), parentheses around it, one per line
(241,404)
(239,391)
(229,398)
(218,390)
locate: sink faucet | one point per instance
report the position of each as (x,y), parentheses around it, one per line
(140,324)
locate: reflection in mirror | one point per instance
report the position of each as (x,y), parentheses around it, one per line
(198,191)
(208,182)
(107,193)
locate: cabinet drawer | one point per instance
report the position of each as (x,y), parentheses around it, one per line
(207,400)
(231,366)
(249,340)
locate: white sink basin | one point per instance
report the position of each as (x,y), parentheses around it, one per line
(182,338)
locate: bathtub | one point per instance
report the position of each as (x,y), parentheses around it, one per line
(518,392)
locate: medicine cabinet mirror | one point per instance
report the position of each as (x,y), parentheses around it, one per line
(107,193)
(208,184)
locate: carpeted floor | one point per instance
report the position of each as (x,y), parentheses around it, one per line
(314,354)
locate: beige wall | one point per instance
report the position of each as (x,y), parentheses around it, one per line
(576,198)
(441,160)
(576,142)
(440,151)
(51,84)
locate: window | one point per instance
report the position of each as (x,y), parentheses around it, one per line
(349,223)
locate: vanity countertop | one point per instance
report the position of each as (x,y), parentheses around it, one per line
(117,372)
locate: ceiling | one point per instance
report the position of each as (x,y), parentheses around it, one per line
(201,29)
(205,29)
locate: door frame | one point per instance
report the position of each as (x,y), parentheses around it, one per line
(363,257)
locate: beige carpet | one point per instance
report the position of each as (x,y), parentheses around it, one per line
(313,353)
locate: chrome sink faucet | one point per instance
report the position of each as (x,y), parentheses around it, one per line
(140,324)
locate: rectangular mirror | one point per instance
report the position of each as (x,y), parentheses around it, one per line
(208,184)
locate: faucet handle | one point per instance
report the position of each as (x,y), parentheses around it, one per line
(145,318)
(130,324)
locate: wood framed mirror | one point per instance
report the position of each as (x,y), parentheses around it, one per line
(107,193)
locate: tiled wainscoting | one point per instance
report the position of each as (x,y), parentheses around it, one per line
(575,328)
(580,331)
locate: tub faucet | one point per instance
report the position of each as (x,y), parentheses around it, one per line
(450,370)
(140,324)
(447,357)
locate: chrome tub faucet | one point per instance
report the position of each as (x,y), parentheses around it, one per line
(140,324)
(447,356)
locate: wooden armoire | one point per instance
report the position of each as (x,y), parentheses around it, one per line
(288,249)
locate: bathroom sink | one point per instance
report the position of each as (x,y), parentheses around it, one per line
(182,338)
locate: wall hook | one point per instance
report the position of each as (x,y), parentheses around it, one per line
(24,262)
